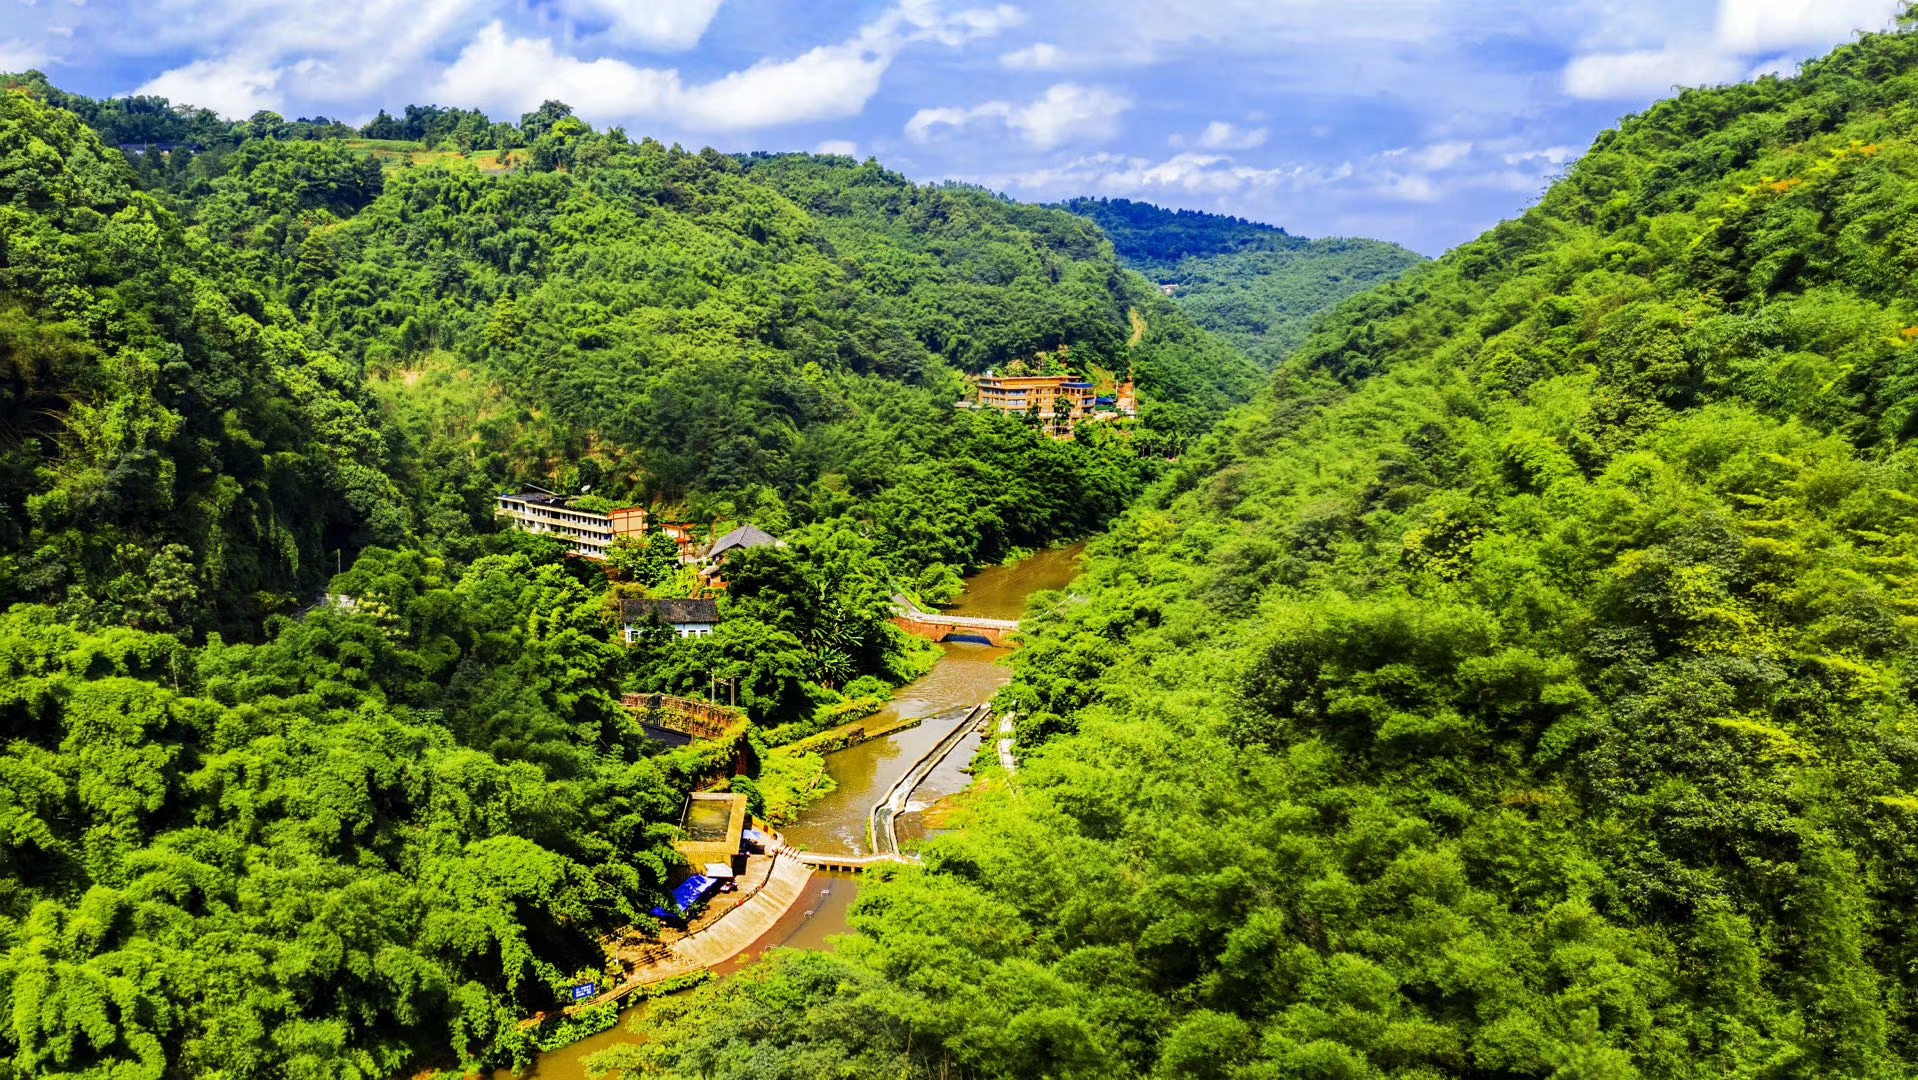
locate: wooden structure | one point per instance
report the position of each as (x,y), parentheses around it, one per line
(685,717)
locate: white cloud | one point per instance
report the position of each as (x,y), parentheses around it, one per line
(841,147)
(17,55)
(660,24)
(826,83)
(1066,112)
(508,56)
(1410,188)
(926,122)
(1188,174)
(513,74)
(1409,177)
(229,86)
(1435,157)
(261,54)
(1734,49)
(1220,135)
(1751,26)
(1069,112)
(960,28)
(1551,155)
(1648,74)
(1039,56)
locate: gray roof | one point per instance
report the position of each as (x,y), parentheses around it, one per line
(746,536)
(670,612)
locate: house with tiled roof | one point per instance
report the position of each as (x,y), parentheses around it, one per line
(687,618)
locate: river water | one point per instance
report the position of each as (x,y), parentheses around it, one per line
(965,676)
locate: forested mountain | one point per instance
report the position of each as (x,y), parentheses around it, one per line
(174,449)
(306,769)
(1253,284)
(1522,687)
(642,321)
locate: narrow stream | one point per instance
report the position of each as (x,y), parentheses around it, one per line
(965,676)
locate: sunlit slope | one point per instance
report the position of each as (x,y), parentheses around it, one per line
(1521,688)
(1256,285)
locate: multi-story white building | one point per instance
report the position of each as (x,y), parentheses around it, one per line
(586,533)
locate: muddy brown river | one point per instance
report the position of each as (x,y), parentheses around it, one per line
(965,676)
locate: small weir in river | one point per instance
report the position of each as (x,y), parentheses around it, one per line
(967,675)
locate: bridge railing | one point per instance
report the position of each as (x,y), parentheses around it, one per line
(906,609)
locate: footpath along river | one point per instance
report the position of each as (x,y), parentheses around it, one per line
(965,676)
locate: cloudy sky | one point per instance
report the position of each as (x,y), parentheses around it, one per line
(1421,121)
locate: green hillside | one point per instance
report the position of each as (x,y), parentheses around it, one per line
(309,770)
(1519,688)
(1255,285)
(652,324)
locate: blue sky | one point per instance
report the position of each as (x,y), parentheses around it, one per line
(1420,121)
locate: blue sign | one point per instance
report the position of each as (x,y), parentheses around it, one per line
(581,993)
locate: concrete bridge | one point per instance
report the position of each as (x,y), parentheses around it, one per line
(940,627)
(820,860)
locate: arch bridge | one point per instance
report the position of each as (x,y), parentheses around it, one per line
(940,627)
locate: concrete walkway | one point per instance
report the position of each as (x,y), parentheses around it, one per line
(882,830)
(725,938)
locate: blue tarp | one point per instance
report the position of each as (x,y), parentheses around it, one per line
(686,894)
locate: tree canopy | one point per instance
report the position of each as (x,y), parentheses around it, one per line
(1252,284)
(306,767)
(1521,687)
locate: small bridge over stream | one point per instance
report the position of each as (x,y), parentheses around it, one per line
(935,626)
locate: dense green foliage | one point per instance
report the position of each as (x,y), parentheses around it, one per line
(1255,285)
(260,817)
(390,831)
(174,451)
(1523,688)
(214,393)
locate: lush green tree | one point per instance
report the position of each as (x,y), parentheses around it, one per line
(1254,285)
(649,561)
(1520,688)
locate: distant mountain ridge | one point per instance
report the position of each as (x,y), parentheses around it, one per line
(1252,283)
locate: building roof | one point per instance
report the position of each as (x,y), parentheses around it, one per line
(533,494)
(746,536)
(670,612)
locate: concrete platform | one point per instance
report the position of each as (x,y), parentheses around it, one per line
(721,934)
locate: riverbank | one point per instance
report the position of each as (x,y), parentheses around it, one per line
(876,726)
(725,938)
(865,760)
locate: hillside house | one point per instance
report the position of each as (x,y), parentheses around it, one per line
(687,618)
(586,533)
(1058,402)
(746,536)
(686,536)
